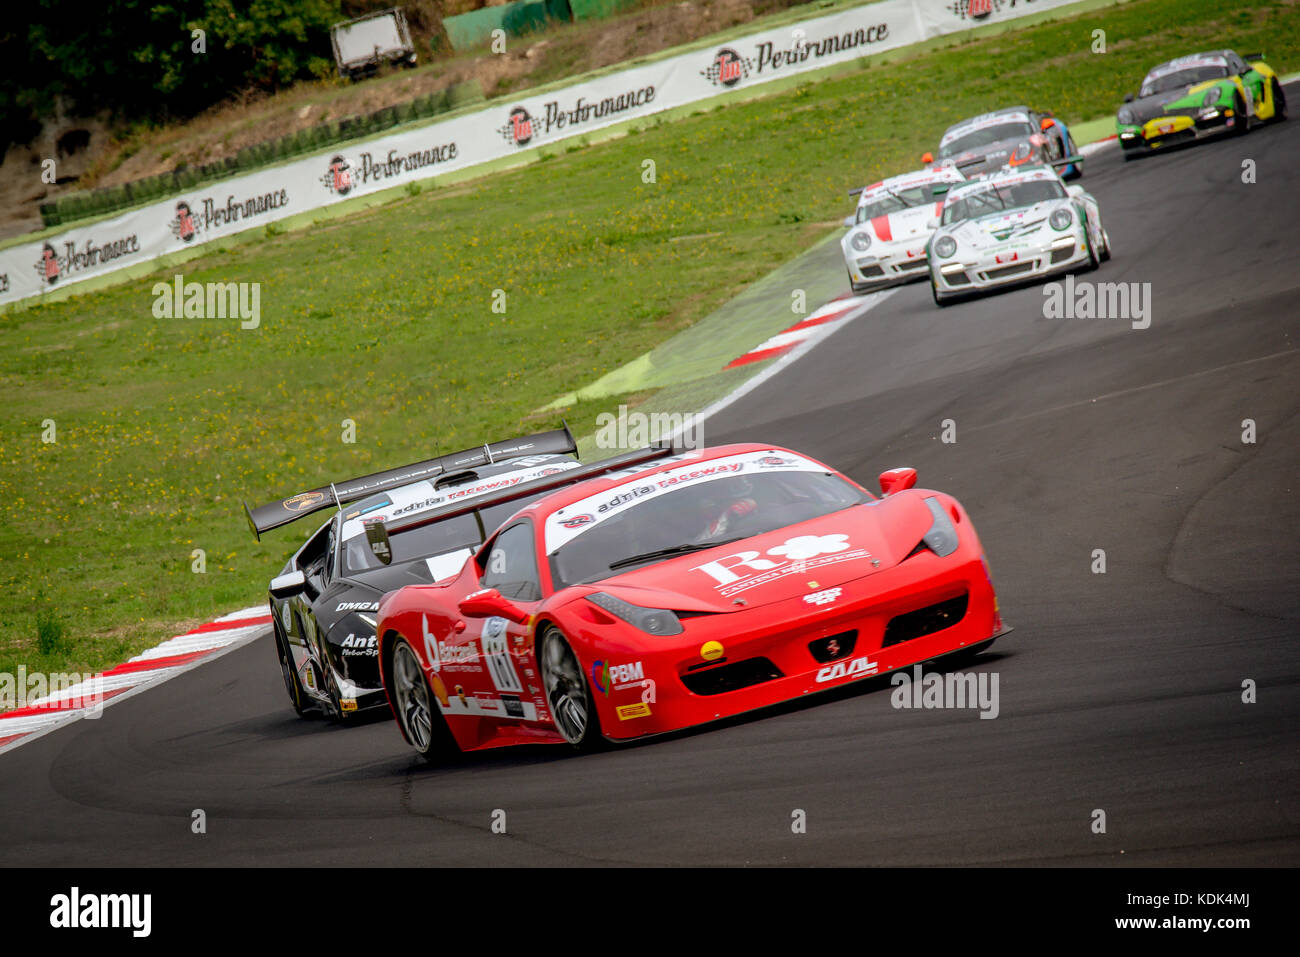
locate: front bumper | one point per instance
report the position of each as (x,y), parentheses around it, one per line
(1165,131)
(883,266)
(923,608)
(985,272)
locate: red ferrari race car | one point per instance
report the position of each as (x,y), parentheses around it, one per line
(656,591)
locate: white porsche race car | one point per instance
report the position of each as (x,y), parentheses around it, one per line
(1011,228)
(886,242)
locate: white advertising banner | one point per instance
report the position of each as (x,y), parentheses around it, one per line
(253,200)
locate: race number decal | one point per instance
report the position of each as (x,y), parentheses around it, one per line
(496,655)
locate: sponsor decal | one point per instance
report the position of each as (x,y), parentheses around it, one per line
(338,179)
(419,506)
(211,216)
(981,9)
(487,703)
(521,127)
(577,521)
(857,668)
(51,267)
(183,228)
(727,67)
(357,606)
(711,650)
(823,597)
(360,645)
(393,163)
(303,501)
(677,478)
(627,712)
(801,553)
(607,677)
(496,654)
(347,704)
(514,705)
(445,655)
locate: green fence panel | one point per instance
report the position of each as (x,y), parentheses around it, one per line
(598,9)
(475,28)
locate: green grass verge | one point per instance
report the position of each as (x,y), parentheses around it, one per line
(385,318)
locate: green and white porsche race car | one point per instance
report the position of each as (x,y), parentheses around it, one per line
(1197,96)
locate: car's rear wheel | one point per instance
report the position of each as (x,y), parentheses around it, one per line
(573,708)
(1279,102)
(423,724)
(1105,245)
(297,697)
(1239,111)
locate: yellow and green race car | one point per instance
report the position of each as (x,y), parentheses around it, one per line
(1201,95)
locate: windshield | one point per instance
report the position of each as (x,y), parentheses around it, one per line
(1183,78)
(436,538)
(885,202)
(985,137)
(698,516)
(999,197)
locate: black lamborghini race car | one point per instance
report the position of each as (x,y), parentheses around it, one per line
(324,600)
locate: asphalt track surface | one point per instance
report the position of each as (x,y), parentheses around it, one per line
(1118,691)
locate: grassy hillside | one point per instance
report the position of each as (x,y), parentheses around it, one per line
(385,318)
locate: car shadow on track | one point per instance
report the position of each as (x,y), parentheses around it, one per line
(523,756)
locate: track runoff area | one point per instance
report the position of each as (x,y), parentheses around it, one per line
(1133,485)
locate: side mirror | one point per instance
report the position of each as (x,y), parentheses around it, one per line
(896,480)
(927,157)
(1047,123)
(377,539)
(848,222)
(1128,97)
(288,585)
(490,603)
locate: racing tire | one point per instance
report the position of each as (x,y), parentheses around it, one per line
(573,706)
(297,697)
(941,303)
(1094,260)
(1105,245)
(1243,118)
(423,724)
(1279,102)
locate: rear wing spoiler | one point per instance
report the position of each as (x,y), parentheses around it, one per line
(263,518)
(546,483)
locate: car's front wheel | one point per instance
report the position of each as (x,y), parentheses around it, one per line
(421,722)
(567,692)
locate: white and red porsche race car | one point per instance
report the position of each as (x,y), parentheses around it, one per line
(1012,228)
(886,244)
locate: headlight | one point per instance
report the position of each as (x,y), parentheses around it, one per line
(860,241)
(1061,218)
(1126,116)
(1211,97)
(653,621)
(942,536)
(945,246)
